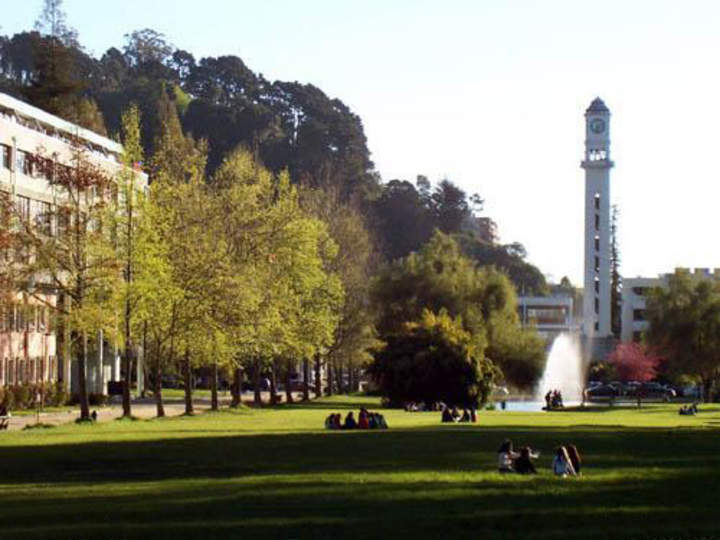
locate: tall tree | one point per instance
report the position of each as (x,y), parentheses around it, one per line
(75,258)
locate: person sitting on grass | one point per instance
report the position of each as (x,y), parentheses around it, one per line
(561,464)
(506,457)
(465,416)
(372,422)
(446,415)
(350,422)
(380,421)
(363,420)
(473,415)
(574,456)
(4,416)
(524,464)
(329,421)
(455,414)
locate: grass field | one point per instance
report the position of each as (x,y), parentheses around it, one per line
(274,473)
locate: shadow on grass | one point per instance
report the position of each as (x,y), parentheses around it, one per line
(434,482)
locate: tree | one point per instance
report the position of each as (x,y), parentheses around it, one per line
(355,336)
(281,257)
(74,258)
(52,22)
(440,277)
(433,359)
(684,326)
(634,362)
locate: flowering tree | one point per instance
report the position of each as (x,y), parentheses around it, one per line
(634,362)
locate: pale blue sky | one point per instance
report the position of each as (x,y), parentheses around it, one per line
(491,94)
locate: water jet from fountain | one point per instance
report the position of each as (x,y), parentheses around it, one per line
(565,369)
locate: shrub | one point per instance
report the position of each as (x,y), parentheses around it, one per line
(22,396)
(95,400)
(59,395)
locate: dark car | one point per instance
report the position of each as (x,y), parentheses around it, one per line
(604,391)
(653,390)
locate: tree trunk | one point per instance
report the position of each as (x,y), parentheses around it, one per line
(187,377)
(318,382)
(288,388)
(273,383)
(237,388)
(339,376)
(127,378)
(214,387)
(157,388)
(82,380)
(257,396)
(329,376)
(351,379)
(306,381)
(707,389)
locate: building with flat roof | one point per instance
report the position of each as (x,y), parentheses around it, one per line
(549,315)
(634,299)
(30,349)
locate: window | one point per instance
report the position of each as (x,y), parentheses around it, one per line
(597,242)
(597,326)
(597,286)
(639,291)
(597,263)
(24,162)
(22,207)
(597,305)
(597,201)
(638,315)
(41,213)
(597,222)
(6,156)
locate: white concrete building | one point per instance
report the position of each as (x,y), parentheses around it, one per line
(597,165)
(549,315)
(634,298)
(30,351)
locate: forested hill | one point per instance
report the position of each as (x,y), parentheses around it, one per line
(287,125)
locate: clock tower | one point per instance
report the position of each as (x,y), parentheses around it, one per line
(597,165)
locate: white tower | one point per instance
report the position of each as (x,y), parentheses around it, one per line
(597,164)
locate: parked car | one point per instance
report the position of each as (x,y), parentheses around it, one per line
(604,391)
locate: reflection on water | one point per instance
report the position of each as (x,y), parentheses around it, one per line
(529,406)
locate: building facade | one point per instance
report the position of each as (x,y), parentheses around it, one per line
(634,299)
(30,351)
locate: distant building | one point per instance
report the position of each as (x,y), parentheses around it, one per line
(549,315)
(634,299)
(30,349)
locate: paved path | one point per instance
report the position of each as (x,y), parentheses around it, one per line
(141,408)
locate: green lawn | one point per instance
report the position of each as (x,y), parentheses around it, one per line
(274,473)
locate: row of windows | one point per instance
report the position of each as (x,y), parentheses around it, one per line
(26,318)
(28,370)
(31,164)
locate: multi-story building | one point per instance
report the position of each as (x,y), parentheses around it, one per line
(29,348)
(634,297)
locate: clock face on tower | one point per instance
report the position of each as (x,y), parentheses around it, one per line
(597,125)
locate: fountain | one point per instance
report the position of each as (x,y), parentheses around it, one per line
(564,370)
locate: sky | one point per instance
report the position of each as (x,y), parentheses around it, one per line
(491,94)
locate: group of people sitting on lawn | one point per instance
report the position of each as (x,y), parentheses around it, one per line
(453,415)
(688,410)
(365,420)
(566,461)
(553,400)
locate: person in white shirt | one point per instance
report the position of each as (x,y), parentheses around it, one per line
(506,456)
(561,464)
